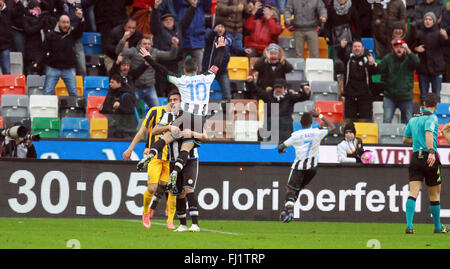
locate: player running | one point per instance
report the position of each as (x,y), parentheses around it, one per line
(194,89)
(306,143)
(159,168)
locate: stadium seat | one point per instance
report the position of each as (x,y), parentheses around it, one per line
(61,88)
(445,92)
(369,45)
(324,90)
(44,106)
(367,131)
(163,101)
(92,43)
(441,141)
(46,127)
(15,106)
(215,107)
(288,45)
(285,31)
(11,121)
(35,85)
(238,68)
(72,106)
(246,130)
(335,137)
(243,109)
(220,130)
(95,65)
(261,112)
(302,107)
(96,86)
(378,113)
(443,113)
(215,96)
(92,104)
(98,128)
(416,92)
(323,48)
(238,90)
(391,133)
(317,69)
(296,125)
(1,122)
(333,110)
(16,62)
(215,86)
(12,84)
(298,74)
(75,127)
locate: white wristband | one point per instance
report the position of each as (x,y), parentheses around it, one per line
(320,116)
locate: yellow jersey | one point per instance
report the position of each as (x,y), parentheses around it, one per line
(152,118)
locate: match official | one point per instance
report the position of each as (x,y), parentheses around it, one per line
(421,132)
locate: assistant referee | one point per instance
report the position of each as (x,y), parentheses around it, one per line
(421,132)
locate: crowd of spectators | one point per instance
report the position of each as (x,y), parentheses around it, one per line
(410,37)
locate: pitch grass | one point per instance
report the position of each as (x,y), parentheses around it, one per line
(48,233)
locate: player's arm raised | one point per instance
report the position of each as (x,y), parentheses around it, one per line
(330,125)
(220,46)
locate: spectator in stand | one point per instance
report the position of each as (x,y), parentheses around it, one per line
(446,26)
(59,55)
(272,65)
(398,67)
(384,15)
(351,148)
(141,5)
(308,14)
(164,27)
(120,108)
(5,37)
(17,11)
(167,7)
(430,46)
(364,9)
(359,67)
(425,6)
(342,18)
(263,31)
(398,32)
(261,4)
(122,66)
(231,47)
(33,24)
(231,13)
(127,33)
(145,83)
(278,93)
(194,38)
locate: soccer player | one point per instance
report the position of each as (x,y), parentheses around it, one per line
(421,132)
(159,168)
(306,143)
(194,89)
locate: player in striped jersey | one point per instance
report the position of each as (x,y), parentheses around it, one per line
(306,143)
(194,89)
(159,168)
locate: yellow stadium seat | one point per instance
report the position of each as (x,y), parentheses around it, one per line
(285,32)
(323,47)
(261,111)
(61,89)
(416,91)
(367,131)
(99,128)
(238,68)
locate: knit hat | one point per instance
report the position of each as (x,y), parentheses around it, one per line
(273,47)
(350,127)
(430,14)
(32,4)
(167,15)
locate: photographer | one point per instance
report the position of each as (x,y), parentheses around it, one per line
(17,143)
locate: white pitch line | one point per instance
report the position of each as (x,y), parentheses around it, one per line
(202,229)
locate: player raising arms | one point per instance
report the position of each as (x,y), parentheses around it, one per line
(306,143)
(194,89)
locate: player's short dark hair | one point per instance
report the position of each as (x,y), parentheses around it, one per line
(431,100)
(116,77)
(306,120)
(173,92)
(190,66)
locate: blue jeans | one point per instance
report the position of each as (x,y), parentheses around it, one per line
(224,82)
(5,63)
(148,95)
(424,84)
(52,76)
(389,106)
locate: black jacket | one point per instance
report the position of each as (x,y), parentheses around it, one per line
(115,36)
(133,75)
(32,27)
(58,47)
(122,95)
(107,11)
(5,28)
(432,61)
(267,75)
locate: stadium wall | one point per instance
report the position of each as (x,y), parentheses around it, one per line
(240,191)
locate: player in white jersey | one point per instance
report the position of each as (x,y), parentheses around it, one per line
(306,143)
(194,89)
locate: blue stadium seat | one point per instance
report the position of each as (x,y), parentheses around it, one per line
(296,125)
(96,86)
(215,96)
(215,86)
(369,45)
(443,113)
(92,43)
(75,128)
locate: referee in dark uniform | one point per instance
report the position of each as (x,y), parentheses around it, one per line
(421,132)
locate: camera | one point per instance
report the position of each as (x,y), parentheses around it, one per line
(15,131)
(32,137)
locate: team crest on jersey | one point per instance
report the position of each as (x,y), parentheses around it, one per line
(214,69)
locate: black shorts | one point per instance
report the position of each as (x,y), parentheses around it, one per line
(188,176)
(186,120)
(419,170)
(298,179)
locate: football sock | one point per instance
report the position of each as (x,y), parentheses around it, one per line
(435,209)
(193,207)
(171,207)
(158,195)
(181,161)
(410,208)
(157,147)
(290,201)
(181,210)
(147,200)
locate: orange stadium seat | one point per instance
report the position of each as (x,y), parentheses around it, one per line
(61,89)
(416,91)
(98,128)
(367,131)
(238,68)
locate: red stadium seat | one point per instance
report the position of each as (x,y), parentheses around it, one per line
(92,106)
(220,130)
(441,139)
(12,84)
(1,122)
(243,109)
(333,110)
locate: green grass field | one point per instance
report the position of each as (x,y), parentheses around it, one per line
(45,233)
